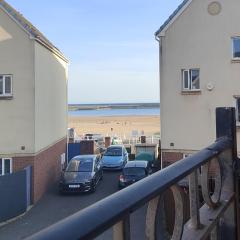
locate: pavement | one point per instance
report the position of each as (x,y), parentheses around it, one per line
(54,207)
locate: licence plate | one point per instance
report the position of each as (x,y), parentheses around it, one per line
(74,186)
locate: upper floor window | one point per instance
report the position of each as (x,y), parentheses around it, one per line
(236,47)
(5,85)
(190,80)
(5,166)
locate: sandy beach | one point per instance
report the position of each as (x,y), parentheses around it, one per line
(122,126)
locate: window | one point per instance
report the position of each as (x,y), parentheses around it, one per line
(5,85)
(5,166)
(83,165)
(236,47)
(190,80)
(238,109)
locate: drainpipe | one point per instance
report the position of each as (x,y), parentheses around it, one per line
(157,38)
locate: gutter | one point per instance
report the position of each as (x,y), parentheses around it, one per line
(50,48)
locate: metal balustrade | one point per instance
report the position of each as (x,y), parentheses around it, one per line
(207,221)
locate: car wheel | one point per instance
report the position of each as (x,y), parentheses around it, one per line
(101,178)
(93,188)
(120,187)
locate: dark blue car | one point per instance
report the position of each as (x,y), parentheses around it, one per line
(82,174)
(133,172)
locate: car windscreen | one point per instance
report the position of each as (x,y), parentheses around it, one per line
(113,152)
(134,171)
(85,165)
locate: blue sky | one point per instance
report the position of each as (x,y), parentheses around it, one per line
(111,46)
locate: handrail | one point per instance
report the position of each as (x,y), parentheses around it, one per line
(94,220)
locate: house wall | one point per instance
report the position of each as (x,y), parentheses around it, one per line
(36,116)
(17,114)
(50,98)
(46,168)
(198,40)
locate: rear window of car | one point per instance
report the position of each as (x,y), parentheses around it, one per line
(113,151)
(85,165)
(136,171)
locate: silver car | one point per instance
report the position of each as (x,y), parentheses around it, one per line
(115,157)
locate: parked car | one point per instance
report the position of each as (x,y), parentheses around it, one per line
(82,174)
(133,172)
(149,157)
(115,157)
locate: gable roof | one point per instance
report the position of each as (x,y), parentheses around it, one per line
(30,29)
(173,17)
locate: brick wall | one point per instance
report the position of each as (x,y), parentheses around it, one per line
(170,157)
(46,168)
(20,163)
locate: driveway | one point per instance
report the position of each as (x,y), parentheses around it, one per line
(54,207)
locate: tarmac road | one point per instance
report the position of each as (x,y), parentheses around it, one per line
(54,207)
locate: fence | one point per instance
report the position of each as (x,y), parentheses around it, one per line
(15,195)
(73,150)
(137,140)
(220,210)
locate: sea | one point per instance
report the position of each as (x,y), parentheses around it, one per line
(128,111)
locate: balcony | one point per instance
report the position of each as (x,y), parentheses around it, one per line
(215,217)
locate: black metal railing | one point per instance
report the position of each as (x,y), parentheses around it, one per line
(206,220)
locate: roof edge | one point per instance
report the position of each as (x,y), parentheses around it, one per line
(172,18)
(51,49)
(27,27)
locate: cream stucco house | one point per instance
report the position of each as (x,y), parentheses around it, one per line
(33,100)
(199,71)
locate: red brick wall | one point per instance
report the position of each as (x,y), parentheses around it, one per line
(20,163)
(170,157)
(46,168)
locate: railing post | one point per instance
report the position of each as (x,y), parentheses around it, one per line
(121,231)
(226,127)
(194,201)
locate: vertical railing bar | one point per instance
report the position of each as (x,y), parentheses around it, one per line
(214,233)
(121,230)
(226,127)
(194,201)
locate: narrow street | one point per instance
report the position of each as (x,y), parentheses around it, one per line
(54,207)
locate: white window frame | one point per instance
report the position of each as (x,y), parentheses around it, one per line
(189,88)
(237,111)
(3,166)
(233,38)
(4,94)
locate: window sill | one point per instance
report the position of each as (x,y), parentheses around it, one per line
(191,92)
(6,97)
(235,60)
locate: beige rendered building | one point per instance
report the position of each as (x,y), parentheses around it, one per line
(33,101)
(199,71)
